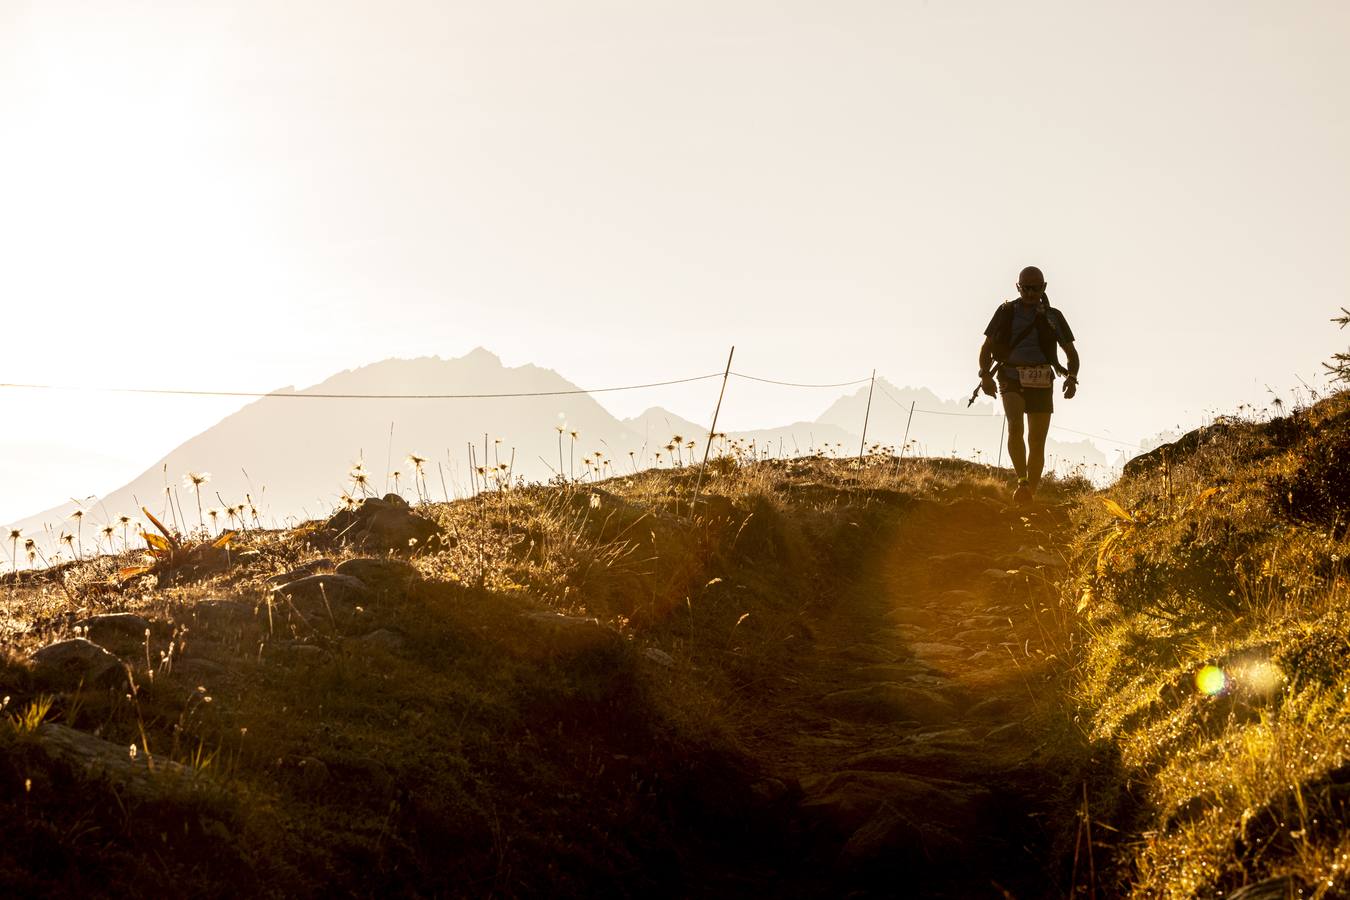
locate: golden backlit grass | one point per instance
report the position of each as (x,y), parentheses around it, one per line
(1213,592)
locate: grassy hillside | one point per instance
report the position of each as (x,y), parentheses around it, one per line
(806,676)
(1212,585)
(573,689)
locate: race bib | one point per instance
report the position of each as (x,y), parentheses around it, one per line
(1036,376)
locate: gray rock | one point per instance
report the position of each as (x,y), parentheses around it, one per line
(569,635)
(387,578)
(911,632)
(934,650)
(323,598)
(981,637)
(138,777)
(246,557)
(115,627)
(962,563)
(992,708)
(889,702)
(912,616)
(67,664)
(659,656)
(387,524)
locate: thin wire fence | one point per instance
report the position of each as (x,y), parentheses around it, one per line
(825,449)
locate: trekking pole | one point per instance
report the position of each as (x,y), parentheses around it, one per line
(866,414)
(1002,427)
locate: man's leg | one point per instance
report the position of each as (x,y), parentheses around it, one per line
(1015,407)
(1038,425)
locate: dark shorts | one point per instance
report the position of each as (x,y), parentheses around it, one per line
(1038,400)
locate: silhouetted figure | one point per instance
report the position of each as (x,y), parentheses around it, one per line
(1019,359)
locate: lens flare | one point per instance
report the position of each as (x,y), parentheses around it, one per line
(1211,680)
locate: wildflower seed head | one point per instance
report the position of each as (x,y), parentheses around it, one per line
(194,480)
(14,534)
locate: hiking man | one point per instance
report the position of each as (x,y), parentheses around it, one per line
(1020,350)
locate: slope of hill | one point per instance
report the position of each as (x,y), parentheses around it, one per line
(795,684)
(1216,669)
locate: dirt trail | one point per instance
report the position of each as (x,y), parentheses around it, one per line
(908,726)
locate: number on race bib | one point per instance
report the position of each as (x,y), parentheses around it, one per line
(1036,376)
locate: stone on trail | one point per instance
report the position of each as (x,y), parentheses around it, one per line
(909,615)
(910,633)
(888,702)
(1035,556)
(927,650)
(992,708)
(962,563)
(981,637)
(67,664)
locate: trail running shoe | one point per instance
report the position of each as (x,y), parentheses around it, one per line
(1022,496)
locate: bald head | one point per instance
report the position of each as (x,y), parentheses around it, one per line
(1031,277)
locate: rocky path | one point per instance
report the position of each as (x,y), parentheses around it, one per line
(910,727)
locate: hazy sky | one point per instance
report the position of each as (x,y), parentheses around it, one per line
(251,195)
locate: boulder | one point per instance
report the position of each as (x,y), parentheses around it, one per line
(387,524)
(387,578)
(905,615)
(320,602)
(67,664)
(140,777)
(934,650)
(115,627)
(320,592)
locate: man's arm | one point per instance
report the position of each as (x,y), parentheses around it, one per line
(986,365)
(1071,382)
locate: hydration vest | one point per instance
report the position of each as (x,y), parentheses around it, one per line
(1046,339)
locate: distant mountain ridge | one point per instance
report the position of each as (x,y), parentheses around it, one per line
(292,457)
